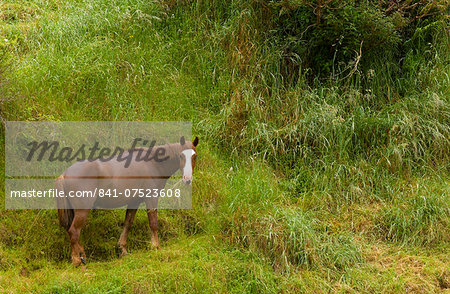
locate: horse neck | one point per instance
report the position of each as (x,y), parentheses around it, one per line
(173,163)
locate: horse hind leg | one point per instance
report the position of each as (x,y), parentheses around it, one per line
(129,218)
(78,254)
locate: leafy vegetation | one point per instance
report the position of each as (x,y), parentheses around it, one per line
(324,141)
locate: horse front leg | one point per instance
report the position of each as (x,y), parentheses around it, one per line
(78,254)
(153,222)
(129,218)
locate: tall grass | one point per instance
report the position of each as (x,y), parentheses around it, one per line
(421,220)
(303,173)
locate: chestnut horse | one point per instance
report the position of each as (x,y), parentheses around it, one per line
(112,174)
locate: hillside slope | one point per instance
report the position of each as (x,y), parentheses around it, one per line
(324,142)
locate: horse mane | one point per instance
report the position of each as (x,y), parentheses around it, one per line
(172,149)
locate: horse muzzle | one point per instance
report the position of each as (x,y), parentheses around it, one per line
(187,180)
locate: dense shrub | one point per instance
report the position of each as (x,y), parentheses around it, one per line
(321,82)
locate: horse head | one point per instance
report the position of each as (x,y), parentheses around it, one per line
(187,156)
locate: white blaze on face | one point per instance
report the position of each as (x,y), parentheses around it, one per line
(187,170)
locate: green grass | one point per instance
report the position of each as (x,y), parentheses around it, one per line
(204,264)
(301,186)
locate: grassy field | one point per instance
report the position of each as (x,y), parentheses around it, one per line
(314,174)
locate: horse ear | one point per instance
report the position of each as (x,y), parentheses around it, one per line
(182,140)
(195,143)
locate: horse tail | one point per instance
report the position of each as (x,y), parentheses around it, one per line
(65,211)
